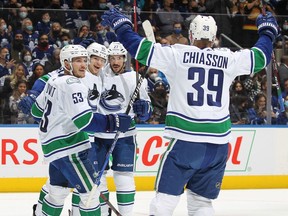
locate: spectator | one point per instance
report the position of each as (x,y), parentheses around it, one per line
(258,113)
(83,34)
(93,18)
(76,17)
(38,71)
(16,20)
(252,86)
(237,88)
(27,61)
(238,109)
(154,75)
(167,16)
(6,64)
(55,33)
(104,36)
(65,39)
(43,26)
(10,82)
(43,50)
(53,62)
(30,37)
(17,46)
(17,116)
(176,36)
(56,13)
(5,33)
(159,101)
(283,70)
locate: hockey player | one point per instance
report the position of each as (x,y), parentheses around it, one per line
(97,58)
(198,116)
(118,87)
(65,117)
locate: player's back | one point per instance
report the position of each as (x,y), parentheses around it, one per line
(200,79)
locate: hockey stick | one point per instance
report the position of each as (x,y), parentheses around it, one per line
(274,68)
(149,33)
(130,104)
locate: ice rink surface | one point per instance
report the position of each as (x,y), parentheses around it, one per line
(271,202)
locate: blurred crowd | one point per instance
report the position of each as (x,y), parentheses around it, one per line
(32,33)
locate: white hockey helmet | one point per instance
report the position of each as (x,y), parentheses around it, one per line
(116,48)
(97,50)
(202,27)
(71,51)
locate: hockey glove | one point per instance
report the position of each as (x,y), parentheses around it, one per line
(116,20)
(142,109)
(118,122)
(87,42)
(267,25)
(26,102)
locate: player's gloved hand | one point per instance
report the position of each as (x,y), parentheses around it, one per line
(267,25)
(116,20)
(87,42)
(26,102)
(142,109)
(118,122)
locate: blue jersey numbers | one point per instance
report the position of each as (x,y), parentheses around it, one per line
(77,97)
(213,82)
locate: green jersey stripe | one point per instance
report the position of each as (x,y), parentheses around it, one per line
(144,51)
(83,120)
(62,143)
(182,124)
(260,60)
(45,78)
(36,112)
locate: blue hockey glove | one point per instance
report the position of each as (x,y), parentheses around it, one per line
(142,109)
(118,122)
(267,25)
(26,102)
(87,42)
(116,20)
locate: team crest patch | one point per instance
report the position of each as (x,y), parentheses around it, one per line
(72,80)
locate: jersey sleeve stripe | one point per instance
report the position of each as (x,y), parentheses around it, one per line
(83,119)
(259,58)
(144,52)
(36,111)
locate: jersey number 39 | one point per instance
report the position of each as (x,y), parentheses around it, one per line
(214,84)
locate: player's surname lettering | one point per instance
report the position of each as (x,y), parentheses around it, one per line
(205,59)
(50,90)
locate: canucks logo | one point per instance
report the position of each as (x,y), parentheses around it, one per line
(111,99)
(93,94)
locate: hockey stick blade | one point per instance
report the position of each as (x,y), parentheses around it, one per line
(149,33)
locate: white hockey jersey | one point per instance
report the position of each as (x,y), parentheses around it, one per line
(64,111)
(198,106)
(116,94)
